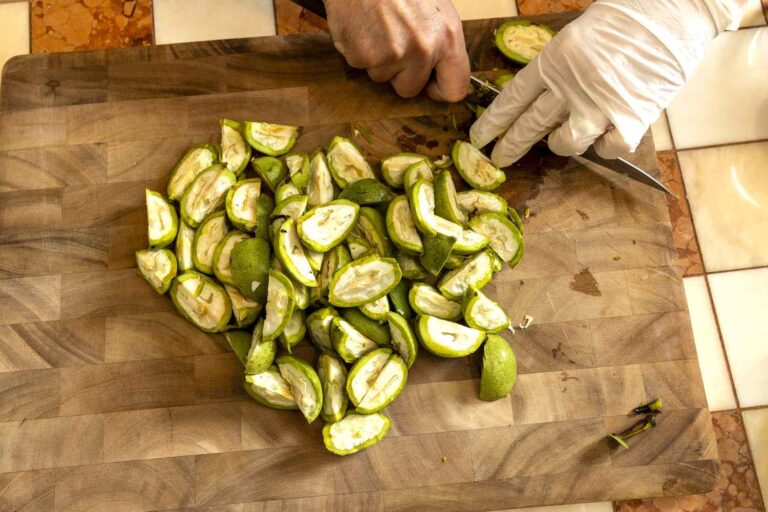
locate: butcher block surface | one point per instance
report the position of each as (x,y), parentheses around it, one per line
(109,400)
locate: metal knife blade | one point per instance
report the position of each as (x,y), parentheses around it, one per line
(618,165)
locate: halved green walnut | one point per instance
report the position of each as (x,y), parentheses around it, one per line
(315,259)
(394,166)
(261,354)
(505,239)
(194,161)
(470,242)
(476,272)
(250,264)
(294,331)
(411,268)
(240,343)
(358,246)
(476,168)
(162,221)
(447,339)
(482,313)
(401,227)
(206,194)
(355,432)
(422,201)
(516,220)
(300,294)
(235,152)
(372,226)
(366,192)
(271,139)
(475,202)
(421,170)
(292,256)
(521,41)
(347,163)
(324,227)
(333,377)
(375,380)
(376,309)
(271,170)
(244,309)
(222,256)
(298,170)
(332,262)
(157,267)
(454,261)
(264,208)
(399,299)
(363,280)
(211,231)
(446,202)
(501,81)
(243,204)
(403,340)
(348,342)
(293,207)
(366,326)
(319,325)
(270,389)
(437,250)
(286,190)
(320,187)
(426,300)
(499,369)
(184,241)
(305,385)
(201,301)
(280,305)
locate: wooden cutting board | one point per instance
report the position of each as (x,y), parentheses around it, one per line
(110,401)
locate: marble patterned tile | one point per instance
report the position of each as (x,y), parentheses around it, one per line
(714,369)
(741,303)
(753,14)
(737,488)
(603,506)
(710,110)
(756,424)
(292,19)
(477,10)
(181,21)
(662,138)
(531,7)
(728,194)
(687,247)
(75,25)
(14,30)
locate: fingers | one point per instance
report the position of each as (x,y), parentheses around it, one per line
(613,145)
(514,99)
(410,81)
(543,115)
(576,134)
(451,74)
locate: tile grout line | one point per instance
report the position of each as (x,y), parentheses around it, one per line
(722,344)
(154,25)
(723,145)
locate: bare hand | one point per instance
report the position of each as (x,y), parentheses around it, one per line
(402,41)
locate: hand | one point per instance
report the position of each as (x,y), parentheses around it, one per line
(604,78)
(402,41)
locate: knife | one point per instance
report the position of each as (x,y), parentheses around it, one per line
(618,165)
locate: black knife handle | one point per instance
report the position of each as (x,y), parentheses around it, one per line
(313,6)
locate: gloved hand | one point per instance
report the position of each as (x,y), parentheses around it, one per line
(604,78)
(402,41)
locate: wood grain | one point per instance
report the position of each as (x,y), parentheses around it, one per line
(111,401)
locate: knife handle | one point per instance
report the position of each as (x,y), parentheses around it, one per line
(313,6)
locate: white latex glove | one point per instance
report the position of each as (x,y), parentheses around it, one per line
(604,78)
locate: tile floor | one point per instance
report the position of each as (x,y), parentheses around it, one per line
(713,151)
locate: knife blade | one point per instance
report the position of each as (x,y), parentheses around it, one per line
(619,165)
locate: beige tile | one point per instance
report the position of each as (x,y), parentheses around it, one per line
(714,370)
(662,139)
(728,192)
(711,109)
(476,10)
(14,30)
(756,425)
(604,506)
(741,303)
(179,21)
(753,14)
